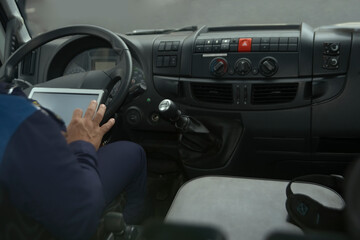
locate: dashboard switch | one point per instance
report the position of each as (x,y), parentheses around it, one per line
(274,47)
(265,40)
(256,40)
(332,49)
(233,47)
(217,42)
(199,49)
(168,46)
(283,47)
(331,62)
(175,46)
(244,45)
(207,48)
(274,40)
(292,47)
(173,61)
(284,40)
(216,48)
(166,61)
(159,61)
(234,41)
(161,46)
(224,47)
(293,40)
(255,47)
(264,47)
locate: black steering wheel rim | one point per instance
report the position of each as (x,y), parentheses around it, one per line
(7,71)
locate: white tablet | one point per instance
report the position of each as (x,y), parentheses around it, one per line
(63,101)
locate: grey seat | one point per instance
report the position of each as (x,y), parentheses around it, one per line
(242,208)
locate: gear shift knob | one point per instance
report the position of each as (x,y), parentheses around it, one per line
(195,137)
(169,110)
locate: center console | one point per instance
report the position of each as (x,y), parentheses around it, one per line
(264,91)
(247,67)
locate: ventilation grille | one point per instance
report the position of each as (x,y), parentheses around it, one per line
(214,93)
(273,93)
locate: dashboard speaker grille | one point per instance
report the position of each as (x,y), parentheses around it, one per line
(273,93)
(214,93)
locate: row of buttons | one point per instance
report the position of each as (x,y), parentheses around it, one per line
(274,44)
(169,46)
(166,61)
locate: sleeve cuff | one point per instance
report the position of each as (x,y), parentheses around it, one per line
(84,151)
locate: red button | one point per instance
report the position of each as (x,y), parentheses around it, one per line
(244,45)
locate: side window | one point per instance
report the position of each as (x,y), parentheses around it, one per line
(2,45)
(11,35)
(3,20)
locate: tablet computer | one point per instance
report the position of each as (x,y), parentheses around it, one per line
(63,101)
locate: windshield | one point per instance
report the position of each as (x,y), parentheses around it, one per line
(126,15)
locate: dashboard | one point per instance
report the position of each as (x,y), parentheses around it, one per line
(101,59)
(282,99)
(93,59)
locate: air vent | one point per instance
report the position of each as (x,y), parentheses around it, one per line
(213,93)
(273,93)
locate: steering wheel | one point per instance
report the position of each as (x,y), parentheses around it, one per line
(114,82)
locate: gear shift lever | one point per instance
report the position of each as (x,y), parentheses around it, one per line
(195,136)
(171,112)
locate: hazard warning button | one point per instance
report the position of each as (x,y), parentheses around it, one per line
(244,45)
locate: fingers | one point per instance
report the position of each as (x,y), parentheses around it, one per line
(90,110)
(107,126)
(100,114)
(77,113)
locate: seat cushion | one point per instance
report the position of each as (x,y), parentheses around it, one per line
(242,208)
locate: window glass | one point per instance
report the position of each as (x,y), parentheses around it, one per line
(126,15)
(2,44)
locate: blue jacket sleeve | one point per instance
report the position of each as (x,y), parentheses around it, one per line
(85,153)
(53,182)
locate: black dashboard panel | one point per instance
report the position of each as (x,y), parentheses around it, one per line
(93,59)
(239,68)
(278,96)
(67,51)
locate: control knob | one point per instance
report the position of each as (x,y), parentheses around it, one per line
(243,66)
(333,62)
(218,67)
(334,47)
(268,66)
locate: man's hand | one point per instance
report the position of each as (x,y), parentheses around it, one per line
(88,128)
